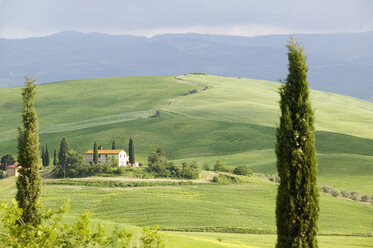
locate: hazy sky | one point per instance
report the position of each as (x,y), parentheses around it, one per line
(27,18)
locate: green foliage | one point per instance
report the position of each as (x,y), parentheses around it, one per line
(118,184)
(226,179)
(6,160)
(113,145)
(131,152)
(74,165)
(206,167)
(242,170)
(188,171)
(215,179)
(366,198)
(220,166)
(42,156)
(52,233)
(55,162)
(46,157)
(158,164)
(330,190)
(297,207)
(95,153)
(62,154)
(151,238)
(3,174)
(28,183)
(355,196)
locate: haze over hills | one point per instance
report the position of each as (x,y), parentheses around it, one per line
(340,63)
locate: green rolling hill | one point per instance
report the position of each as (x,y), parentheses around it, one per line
(203,118)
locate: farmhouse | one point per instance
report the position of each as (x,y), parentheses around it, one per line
(12,170)
(108,157)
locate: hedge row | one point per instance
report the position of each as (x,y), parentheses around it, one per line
(116,184)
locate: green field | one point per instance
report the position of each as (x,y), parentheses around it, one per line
(230,119)
(196,207)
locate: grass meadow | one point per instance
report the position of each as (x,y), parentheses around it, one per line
(187,208)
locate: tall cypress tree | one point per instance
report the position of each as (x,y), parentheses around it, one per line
(54,157)
(62,154)
(131,152)
(95,153)
(42,156)
(113,145)
(297,206)
(29,181)
(46,156)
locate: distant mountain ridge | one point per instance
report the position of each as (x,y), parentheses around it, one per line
(340,63)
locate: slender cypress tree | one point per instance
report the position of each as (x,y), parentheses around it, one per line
(42,156)
(297,209)
(54,157)
(62,154)
(131,152)
(29,181)
(46,156)
(95,153)
(113,145)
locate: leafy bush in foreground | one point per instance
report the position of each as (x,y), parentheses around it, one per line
(52,233)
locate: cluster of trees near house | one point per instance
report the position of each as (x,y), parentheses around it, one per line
(158,164)
(5,161)
(73,164)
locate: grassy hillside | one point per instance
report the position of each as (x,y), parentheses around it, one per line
(203,118)
(250,206)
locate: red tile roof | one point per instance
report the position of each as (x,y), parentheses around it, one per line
(13,165)
(105,151)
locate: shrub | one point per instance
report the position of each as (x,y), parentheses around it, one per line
(158,164)
(335,193)
(274,178)
(242,170)
(220,166)
(355,196)
(345,194)
(330,190)
(365,198)
(3,174)
(226,179)
(206,167)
